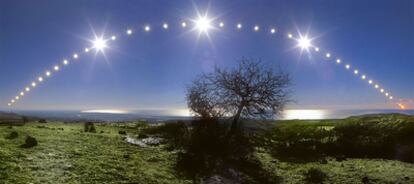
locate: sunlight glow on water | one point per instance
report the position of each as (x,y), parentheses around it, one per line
(106,111)
(304,114)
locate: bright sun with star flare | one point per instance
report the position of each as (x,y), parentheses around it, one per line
(99,44)
(203,24)
(304,42)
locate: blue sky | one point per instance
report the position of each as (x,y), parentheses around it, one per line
(151,70)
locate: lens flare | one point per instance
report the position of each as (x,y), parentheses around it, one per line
(65,62)
(256,28)
(113,37)
(317,49)
(338,61)
(272,31)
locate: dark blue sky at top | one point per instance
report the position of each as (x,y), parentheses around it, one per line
(151,70)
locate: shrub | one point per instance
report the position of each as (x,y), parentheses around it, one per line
(386,137)
(30,142)
(406,153)
(121,132)
(209,146)
(298,142)
(42,121)
(25,119)
(175,133)
(314,175)
(12,135)
(89,127)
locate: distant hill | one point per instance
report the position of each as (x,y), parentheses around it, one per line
(382,116)
(10,118)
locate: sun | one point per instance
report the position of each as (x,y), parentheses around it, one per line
(304,42)
(203,24)
(99,44)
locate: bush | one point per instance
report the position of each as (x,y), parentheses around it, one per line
(384,136)
(12,135)
(121,132)
(30,142)
(89,127)
(42,121)
(314,175)
(175,133)
(299,142)
(209,148)
(406,153)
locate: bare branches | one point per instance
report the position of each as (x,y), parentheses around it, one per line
(250,90)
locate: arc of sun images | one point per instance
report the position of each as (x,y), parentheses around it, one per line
(203,24)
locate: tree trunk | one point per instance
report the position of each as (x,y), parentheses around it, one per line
(234,124)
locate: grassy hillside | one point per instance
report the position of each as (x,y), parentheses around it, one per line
(67,154)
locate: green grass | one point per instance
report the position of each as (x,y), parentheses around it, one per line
(70,156)
(347,171)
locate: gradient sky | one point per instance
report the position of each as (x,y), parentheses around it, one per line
(151,70)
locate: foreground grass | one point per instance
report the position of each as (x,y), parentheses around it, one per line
(67,155)
(347,171)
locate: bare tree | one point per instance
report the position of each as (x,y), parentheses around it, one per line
(250,90)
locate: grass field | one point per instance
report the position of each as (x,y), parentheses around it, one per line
(65,154)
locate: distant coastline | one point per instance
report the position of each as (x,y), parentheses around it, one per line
(155,115)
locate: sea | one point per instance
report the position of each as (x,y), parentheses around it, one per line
(308,114)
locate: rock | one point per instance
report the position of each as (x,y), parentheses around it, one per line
(67,167)
(135,141)
(152,141)
(218,179)
(30,142)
